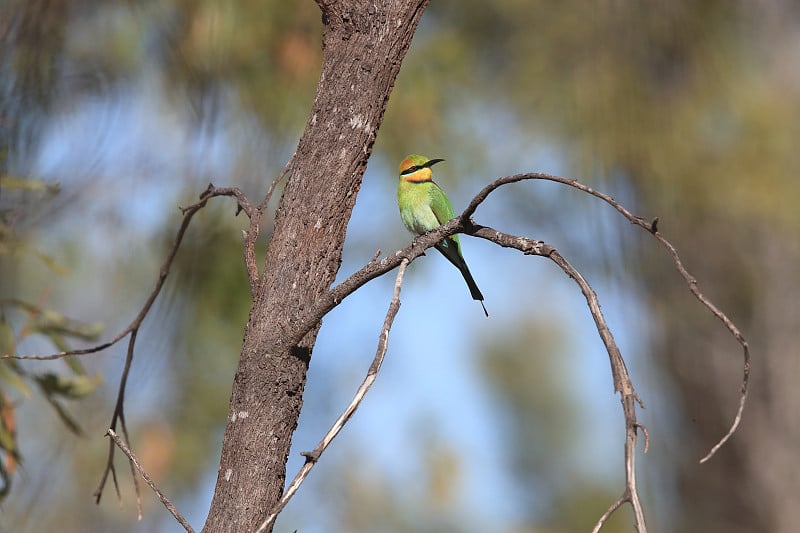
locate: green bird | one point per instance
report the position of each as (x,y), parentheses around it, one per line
(424,206)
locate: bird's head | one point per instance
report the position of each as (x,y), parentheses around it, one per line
(417,168)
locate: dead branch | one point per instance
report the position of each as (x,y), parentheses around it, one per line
(135,462)
(132,330)
(652,228)
(619,372)
(692,284)
(622,382)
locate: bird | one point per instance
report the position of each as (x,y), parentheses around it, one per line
(425,206)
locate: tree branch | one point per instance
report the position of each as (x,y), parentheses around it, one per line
(135,462)
(251,234)
(691,282)
(619,372)
(313,456)
(622,383)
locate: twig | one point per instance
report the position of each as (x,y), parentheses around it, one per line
(133,328)
(605,516)
(119,414)
(622,384)
(313,456)
(251,234)
(135,462)
(692,283)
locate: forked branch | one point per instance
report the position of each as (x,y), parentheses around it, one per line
(372,373)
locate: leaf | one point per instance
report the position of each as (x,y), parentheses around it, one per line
(55,325)
(68,421)
(51,263)
(74,364)
(8,443)
(8,343)
(67,386)
(25,184)
(6,482)
(11,374)
(8,433)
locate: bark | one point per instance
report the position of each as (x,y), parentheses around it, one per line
(364,44)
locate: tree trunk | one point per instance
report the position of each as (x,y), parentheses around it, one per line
(364,44)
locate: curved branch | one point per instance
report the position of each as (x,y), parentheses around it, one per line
(621,378)
(691,282)
(619,372)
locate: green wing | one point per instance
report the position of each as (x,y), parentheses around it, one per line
(440,204)
(451,247)
(443,209)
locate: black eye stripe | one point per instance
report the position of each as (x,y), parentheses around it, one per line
(410,170)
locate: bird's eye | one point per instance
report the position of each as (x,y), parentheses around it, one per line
(410,170)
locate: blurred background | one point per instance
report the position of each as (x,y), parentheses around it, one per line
(114,113)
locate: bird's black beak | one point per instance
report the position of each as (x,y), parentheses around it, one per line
(432,162)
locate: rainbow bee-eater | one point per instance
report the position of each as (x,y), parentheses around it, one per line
(424,206)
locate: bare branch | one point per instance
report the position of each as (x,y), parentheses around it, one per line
(135,462)
(605,516)
(119,415)
(652,228)
(692,284)
(313,456)
(621,378)
(368,272)
(622,382)
(133,328)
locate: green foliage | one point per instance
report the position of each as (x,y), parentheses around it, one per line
(21,319)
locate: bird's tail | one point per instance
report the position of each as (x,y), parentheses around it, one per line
(473,287)
(451,253)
